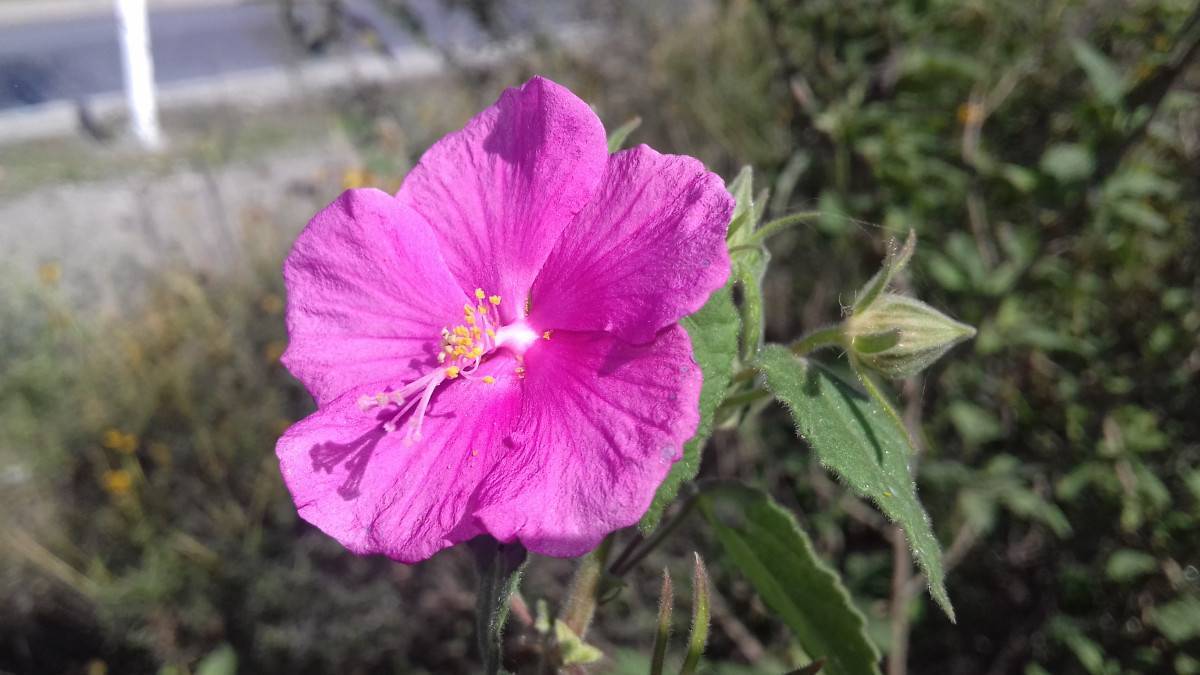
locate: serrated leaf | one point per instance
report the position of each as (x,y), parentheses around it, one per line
(714,334)
(769,547)
(1101,73)
(861,444)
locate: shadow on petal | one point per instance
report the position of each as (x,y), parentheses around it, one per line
(354,456)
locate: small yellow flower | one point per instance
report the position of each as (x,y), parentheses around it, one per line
(117,482)
(970,113)
(356,177)
(115,439)
(50,273)
(112,438)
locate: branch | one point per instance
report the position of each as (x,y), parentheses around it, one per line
(1150,93)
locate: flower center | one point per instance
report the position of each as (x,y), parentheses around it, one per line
(460,354)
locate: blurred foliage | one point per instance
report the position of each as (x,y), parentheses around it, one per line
(147,486)
(1057,201)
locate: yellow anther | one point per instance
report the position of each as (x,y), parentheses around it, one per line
(488,379)
(482,309)
(546,335)
(452,372)
(459,351)
(460,331)
(490,333)
(495,300)
(475,353)
(470,318)
(476,332)
(480,294)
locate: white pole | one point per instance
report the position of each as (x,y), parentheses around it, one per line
(139,71)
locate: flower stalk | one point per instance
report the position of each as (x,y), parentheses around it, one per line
(499,567)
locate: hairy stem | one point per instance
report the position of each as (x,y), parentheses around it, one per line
(581,600)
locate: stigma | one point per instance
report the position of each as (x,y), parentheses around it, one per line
(460,352)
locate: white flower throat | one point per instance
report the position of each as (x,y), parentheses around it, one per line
(461,351)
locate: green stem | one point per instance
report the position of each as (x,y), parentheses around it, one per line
(500,567)
(700,618)
(666,599)
(873,390)
(740,399)
(830,336)
(660,535)
(581,600)
(778,225)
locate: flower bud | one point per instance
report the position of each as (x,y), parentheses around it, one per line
(898,337)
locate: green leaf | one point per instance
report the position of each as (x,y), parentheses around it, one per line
(1031,506)
(1143,215)
(499,566)
(741,223)
(220,661)
(859,442)
(1091,656)
(896,260)
(616,139)
(714,334)
(1178,620)
(974,424)
(833,220)
(571,648)
(1068,162)
(1101,73)
(1128,564)
(768,546)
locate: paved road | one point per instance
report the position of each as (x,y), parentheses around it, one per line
(75,58)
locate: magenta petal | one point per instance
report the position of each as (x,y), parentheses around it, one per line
(368,295)
(499,192)
(376,494)
(602,422)
(648,250)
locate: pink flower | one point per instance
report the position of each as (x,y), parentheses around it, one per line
(496,349)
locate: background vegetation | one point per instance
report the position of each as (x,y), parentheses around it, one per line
(1048,156)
